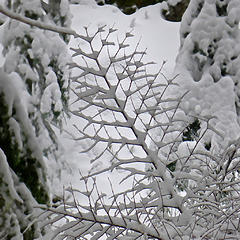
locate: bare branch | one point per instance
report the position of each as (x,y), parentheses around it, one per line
(185,191)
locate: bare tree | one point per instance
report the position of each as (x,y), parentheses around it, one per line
(186,192)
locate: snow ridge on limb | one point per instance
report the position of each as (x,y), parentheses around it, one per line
(35,23)
(129,115)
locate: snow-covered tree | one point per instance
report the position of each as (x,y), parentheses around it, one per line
(179,190)
(34,95)
(129,7)
(172,11)
(208,64)
(182,162)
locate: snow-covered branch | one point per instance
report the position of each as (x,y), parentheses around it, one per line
(61,30)
(134,122)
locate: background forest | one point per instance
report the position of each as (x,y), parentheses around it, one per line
(104,134)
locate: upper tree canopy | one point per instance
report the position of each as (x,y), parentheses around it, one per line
(173,11)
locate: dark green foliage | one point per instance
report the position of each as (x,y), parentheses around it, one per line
(59,73)
(32,15)
(24,44)
(24,166)
(224,69)
(208,145)
(13,4)
(191,132)
(55,13)
(25,159)
(172,166)
(29,235)
(198,10)
(185,34)
(23,163)
(221,9)
(175,11)
(194,14)
(197,49)
(129,7)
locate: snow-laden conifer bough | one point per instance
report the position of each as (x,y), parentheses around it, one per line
(33,95)
(39,24)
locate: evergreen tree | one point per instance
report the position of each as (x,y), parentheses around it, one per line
(173,10)
(34,95)
(208,63)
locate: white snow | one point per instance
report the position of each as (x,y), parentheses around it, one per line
(64,7)
(11,61)
(160,37)
(212,93)
(206,68)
